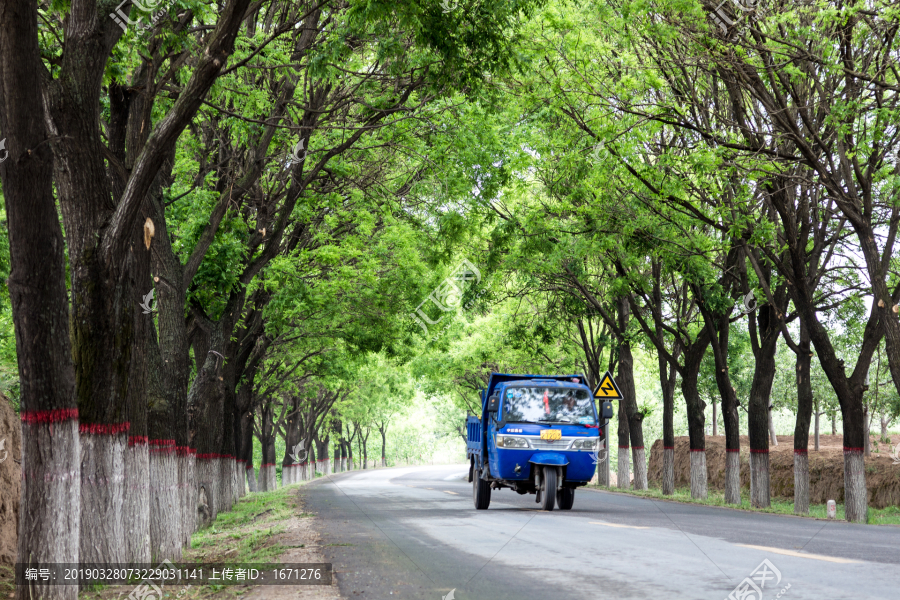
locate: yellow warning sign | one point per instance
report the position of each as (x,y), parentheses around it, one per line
(608,390)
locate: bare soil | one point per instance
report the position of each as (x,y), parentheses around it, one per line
(826,468)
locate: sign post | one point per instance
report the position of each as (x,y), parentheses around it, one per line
(606,391)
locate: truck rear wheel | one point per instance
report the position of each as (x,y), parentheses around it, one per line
(481,491)
(548,491)
(565,498)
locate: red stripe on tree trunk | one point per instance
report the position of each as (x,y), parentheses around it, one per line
(801,451)
(267,465)
(638,447)
(49,416)
(162,446)
(846,449)
(100,429)
(183,450)
(137,440)
(698,449)
(250,466)
(626,447)
(752,451)
(668,447)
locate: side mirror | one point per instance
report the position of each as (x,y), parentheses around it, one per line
(493,403)
(606,410)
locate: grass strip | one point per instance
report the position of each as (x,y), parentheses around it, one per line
(877,516)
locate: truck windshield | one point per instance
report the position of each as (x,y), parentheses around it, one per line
(549,405)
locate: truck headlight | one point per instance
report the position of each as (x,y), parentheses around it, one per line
(588,444)
(510,441)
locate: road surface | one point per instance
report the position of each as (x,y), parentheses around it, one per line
(413,533)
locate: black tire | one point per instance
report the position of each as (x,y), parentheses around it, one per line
(565,498)
(548,493)
(481,492)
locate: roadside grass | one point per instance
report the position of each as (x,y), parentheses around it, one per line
(7,581)
(243,535)
(877,516)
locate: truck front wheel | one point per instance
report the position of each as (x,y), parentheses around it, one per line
(481,491)
(565,498)
(548,488)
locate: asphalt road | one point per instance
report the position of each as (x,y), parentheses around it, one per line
(413,533)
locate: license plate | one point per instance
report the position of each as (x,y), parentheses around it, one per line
(551,434)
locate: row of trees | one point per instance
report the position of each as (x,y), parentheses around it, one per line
(208,207)
(691,184)
(220,219)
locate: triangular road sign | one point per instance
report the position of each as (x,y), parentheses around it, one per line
(607,390)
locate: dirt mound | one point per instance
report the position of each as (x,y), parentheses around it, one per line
(10,480)
(826,468)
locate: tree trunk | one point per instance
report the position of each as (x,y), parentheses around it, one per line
(623,471)
(349,451)
(136,509)
(759,478)
(634,417)
(668,472)
(667,380)
(49,513)
(801,482)
(166,537)
(718,329)
(187,479)
(801,429)
(384,447)
(365,452)
(137,501)
(690,372)
(856,507)
(758,410)
(206,406)
(698,474)
(102,492)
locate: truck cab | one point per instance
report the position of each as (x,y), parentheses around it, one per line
(537,434)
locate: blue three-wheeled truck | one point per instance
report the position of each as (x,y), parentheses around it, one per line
(537,434)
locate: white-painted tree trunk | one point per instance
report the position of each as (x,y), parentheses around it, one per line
(272,480)
(137,501)
(856,500)
(668,471)
(251,478)
(801,482)
(187,482)
(263,479)
(640,468)
(732,477)
(208,481)
(166,537)
(759,479)
(237,480)
(226,464)
(623,472)
(699,489)
(102,494)
(50,509)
